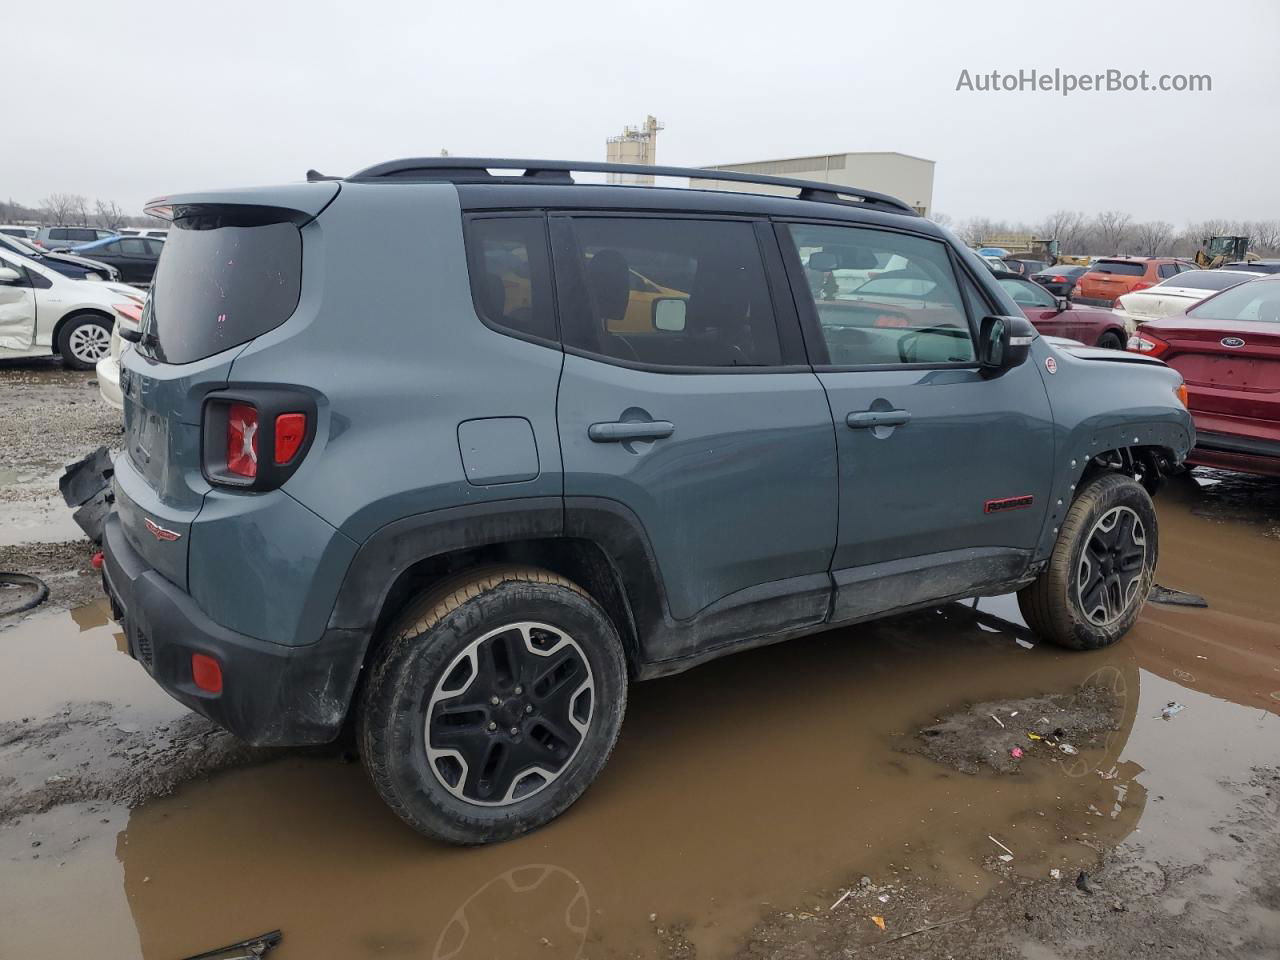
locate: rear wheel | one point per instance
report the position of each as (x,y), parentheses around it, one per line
(493,704)
(1101,568)
(1111,341)
(84,340)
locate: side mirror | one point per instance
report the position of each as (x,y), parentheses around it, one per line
(669,314)
(1003,343)
(1064,303)
(10,275)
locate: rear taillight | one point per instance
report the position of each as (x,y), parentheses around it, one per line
(255,437)
(1147,343)
(1057,279)
(1140,285)
(1181,392)
(242,440)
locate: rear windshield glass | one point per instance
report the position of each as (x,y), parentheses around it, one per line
(1258,300)
(1204,280)
(1123,268)
(220,282)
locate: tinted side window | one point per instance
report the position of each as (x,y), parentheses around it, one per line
(511,274)
(912,312)
(1167,269)
(58,233)
(679,292)
(131,246)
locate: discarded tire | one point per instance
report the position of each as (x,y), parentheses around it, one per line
(21,591)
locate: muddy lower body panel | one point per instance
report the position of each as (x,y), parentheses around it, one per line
(271,694)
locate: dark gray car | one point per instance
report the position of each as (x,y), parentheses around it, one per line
(542,439)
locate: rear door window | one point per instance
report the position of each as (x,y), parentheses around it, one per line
(510,272)
(913,312)
(132,247)
(222,281)
(667,292)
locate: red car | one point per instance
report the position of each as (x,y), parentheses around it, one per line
(1227,348)
(1058,317)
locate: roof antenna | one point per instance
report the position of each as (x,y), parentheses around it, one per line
(315,176)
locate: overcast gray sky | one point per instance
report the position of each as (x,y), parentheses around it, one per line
(129,99)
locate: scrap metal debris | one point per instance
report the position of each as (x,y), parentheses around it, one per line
(86,485)
(249,949)
(1177,598)
(1171,709)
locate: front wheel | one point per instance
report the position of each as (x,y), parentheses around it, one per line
(84,340)
(1101,568)
(493,704)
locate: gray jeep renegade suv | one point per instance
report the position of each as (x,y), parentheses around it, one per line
(459,448)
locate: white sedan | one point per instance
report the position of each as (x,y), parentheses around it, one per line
(43,312)
(1175,294)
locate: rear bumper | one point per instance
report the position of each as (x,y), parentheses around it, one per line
(272,695)
(108,371)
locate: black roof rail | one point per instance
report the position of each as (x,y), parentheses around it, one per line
(477,170)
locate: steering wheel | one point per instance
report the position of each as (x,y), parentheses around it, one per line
(908,344)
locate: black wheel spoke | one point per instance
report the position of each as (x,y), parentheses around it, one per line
(1114,558)
(505,708)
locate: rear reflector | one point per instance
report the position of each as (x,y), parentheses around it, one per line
(206,673)
(291,430)
(242,440)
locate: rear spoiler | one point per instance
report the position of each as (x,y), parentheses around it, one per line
(299,202)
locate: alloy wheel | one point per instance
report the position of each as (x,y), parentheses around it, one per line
(509,714)
(1112,565)
(89,343)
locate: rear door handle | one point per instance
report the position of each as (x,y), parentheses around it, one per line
(618,431)
(865,419)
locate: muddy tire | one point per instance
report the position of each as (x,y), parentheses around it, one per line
(494,702)
(1101,568)
(84,340)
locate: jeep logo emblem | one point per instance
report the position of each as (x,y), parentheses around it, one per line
(1232,342)
(161,533)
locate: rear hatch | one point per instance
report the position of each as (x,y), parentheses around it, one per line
(1108,279)
(1232,373)
(231,270)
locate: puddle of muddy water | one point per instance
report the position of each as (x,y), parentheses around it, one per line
(49,660)
(752,782)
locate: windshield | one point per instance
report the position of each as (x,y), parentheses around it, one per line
(1258,300)
(220,282)
(1124,268)
(1205,280)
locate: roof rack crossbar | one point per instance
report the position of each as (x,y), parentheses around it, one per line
(478,170)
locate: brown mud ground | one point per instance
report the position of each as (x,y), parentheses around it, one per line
(744,800)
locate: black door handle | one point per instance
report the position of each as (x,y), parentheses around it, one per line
(864,419)
(618,431)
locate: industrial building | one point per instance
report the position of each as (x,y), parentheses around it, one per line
(635,145)
(897,174)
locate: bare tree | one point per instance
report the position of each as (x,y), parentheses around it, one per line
(1067,227)
(109,216)
(1112,228)
(61,208)
(942,219)
(1153,238)
(1266,237)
